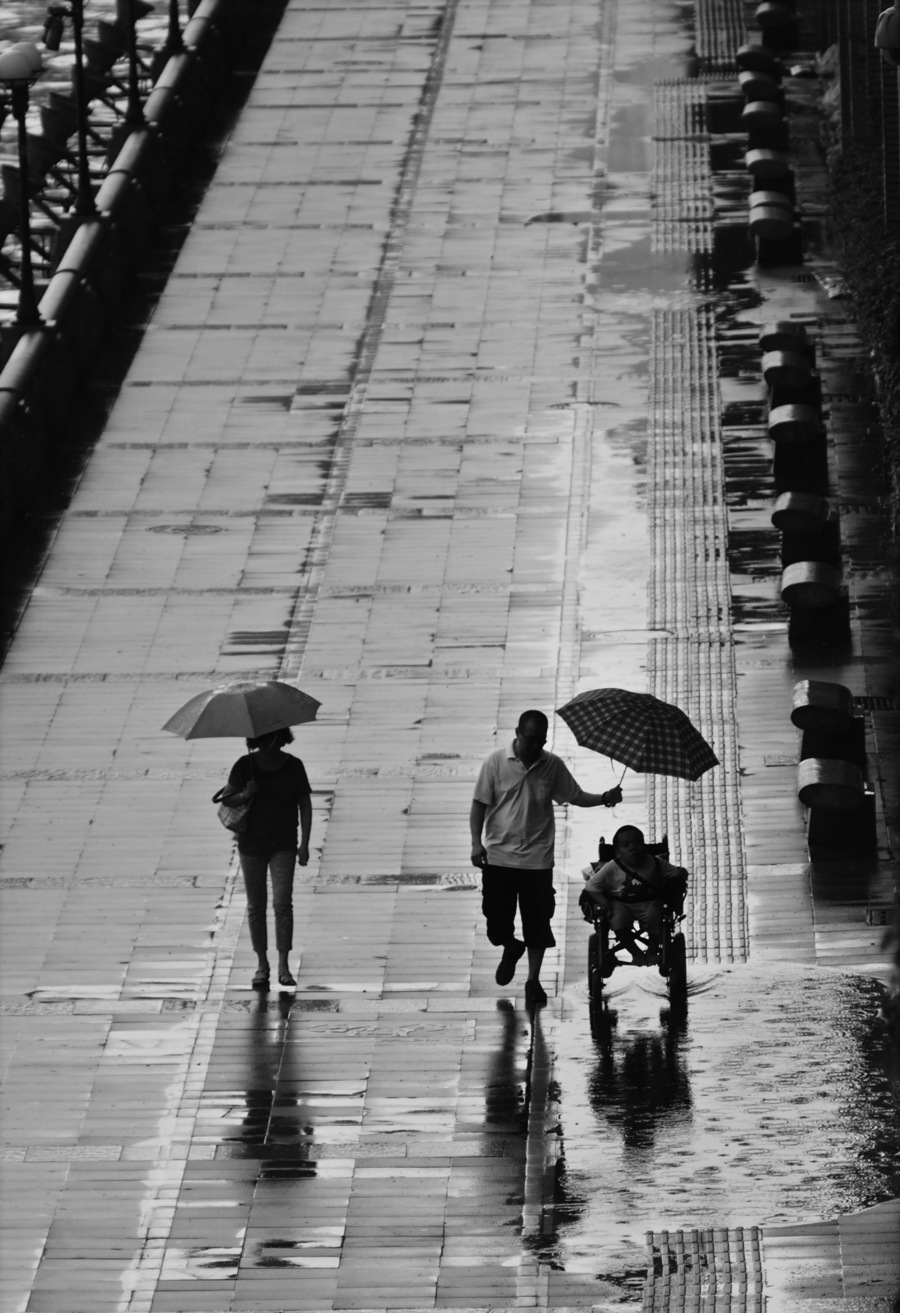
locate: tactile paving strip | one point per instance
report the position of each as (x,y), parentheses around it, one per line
(681,183)
(721,29)
(708,1271)
(692,663)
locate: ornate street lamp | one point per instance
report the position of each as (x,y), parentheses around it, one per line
(174,39)
(887,35)
(84,206)
(134,114)
(20,66)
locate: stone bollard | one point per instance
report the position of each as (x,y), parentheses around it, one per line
(779,200)
(800,512)
(784,334)
(755,58)
(771,223)
(786,369)
(794,425)
(763,162)
(759,86)
(761,115)
(769,220)
(830,785)
(810,585)
(821,705)
(775,14)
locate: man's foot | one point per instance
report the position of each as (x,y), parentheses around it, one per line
(285,977)
(535,997)
(507,968)
(261,978)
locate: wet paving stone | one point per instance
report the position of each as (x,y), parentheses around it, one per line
(447,410)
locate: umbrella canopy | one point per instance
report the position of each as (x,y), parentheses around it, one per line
(243,711)
(640,731)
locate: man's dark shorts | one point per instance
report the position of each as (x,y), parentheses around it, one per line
(505,887)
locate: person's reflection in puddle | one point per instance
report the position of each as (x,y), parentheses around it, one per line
(266,1049)
(641,1081)
(504,1080)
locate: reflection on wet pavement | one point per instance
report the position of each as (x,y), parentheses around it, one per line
(771,1103)
(457,460)
(640,1081)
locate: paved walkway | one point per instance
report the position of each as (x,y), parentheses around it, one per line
(387,434)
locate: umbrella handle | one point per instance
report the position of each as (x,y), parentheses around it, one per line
(621,777)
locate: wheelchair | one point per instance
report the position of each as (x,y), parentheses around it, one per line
(604,947)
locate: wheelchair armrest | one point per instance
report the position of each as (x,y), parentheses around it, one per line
(675,891)
(588,906)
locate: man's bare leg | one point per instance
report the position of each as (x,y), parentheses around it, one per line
(535,997)
(535,959)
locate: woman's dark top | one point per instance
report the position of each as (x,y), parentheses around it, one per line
(272,827)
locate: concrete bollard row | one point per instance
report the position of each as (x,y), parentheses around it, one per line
(772,219)
(101,256)
(788,366)
(811,580)
(831,775)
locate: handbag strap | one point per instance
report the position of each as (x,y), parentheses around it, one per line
(218,796)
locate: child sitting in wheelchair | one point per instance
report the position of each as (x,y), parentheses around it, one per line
(636,886)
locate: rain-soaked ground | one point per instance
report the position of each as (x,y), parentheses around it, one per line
(771,1100)
(451,407)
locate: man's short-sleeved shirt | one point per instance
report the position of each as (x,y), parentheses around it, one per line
(519,827)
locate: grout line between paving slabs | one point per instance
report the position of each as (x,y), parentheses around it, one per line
(382,290)
(541,1150)
(141,1277)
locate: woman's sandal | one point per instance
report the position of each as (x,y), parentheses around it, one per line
(285,977)
(260,980)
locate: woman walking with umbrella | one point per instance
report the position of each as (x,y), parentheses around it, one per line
(275,786)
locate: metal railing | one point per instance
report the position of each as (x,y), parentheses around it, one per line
(870,90)
(74,132)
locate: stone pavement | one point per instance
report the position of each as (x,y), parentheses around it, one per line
(429,420)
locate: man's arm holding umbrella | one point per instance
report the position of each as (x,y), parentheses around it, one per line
(608,799)
(567,789)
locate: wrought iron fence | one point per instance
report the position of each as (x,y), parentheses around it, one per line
(870,89)
(114,69)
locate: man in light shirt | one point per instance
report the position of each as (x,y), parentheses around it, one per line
(513,833)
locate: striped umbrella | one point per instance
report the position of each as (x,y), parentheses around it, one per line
(638,730)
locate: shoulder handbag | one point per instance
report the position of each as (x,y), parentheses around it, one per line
(234,816)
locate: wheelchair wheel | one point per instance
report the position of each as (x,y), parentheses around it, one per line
(595,973)
(677,974)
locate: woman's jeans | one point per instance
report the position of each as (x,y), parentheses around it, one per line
(255,871)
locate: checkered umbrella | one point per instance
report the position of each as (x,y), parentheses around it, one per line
(640,731)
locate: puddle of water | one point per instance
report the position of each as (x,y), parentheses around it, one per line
(772,1102)
(200,1264)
